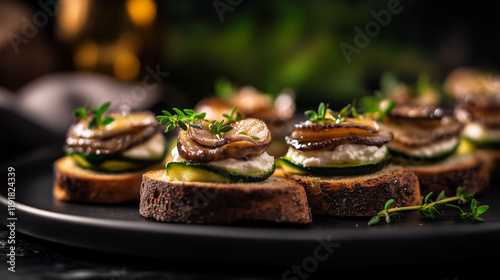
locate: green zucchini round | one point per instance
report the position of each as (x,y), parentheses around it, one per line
(419,159)
(291,166)
(190,167)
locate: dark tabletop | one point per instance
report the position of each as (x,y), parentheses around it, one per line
(38,259)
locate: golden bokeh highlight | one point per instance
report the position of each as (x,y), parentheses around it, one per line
(72,18)
(141,12)
(126,66)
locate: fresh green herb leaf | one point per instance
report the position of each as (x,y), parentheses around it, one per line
(388,204)
(82,112)
(375,107)
(374,220)
(251,136)
(232,118)
(321,116)
(98,112)
(218,128)
(482,209)
(224,88)
(431,209)
(180,119)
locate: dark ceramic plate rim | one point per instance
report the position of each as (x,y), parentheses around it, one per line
(175,236)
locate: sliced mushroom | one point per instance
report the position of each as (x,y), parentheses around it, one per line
(489,118)
(121,134)
(121,124)
(201,145)
(254,130)
(415,112)
(418,134)
(308,131)
(327,137)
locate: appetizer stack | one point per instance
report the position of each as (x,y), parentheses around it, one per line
(226,167)
(106,155)
(477,95)
(425,140)
(342,164)
(334,163)
(276,112)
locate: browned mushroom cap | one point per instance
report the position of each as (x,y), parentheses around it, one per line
(121,134)
(308,131)
(416,112)
(487,117)
(200,144)
(253,127)
(378,139)
(418,134)
(310,136)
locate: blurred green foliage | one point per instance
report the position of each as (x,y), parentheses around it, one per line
(273,44)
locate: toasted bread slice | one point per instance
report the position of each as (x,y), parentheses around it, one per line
(73,183)
(458,170)
(275,199)
(363,195)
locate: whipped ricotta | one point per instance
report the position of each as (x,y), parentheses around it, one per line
(259,164)
(342,154)
(476,131)
(152,148)
(427,150)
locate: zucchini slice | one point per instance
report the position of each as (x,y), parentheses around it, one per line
(291,167)
(189,171)
(113,163)
(484,143)
(419,159)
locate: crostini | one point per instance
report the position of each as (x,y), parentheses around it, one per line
(106,155)
(220,174)
(343,164)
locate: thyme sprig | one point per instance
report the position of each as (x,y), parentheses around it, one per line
(232,117)
(430,209)
(251,136)
(180,119)
(321,114)
(188,117)
(97,121)
(377,108)
(218,128)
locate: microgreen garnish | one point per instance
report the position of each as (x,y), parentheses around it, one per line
(430,209)
(82,112)
(218,128)
(375,107)
(317,116)
(232,118)
(97,121)
(181,119)
(251,136)
(224,88)
(339,117)
(98,112)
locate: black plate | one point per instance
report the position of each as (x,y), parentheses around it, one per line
(120,229)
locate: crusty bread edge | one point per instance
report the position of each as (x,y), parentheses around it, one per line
(363,195)
(73,183)
(218,203)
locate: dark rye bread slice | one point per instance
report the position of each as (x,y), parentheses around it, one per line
(73,183)
(363,195)
(458,170)
(275,199)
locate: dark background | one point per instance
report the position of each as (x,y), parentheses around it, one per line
(272,44)
(98,51)
(267,44)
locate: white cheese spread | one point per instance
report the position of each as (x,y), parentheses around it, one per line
(259,164)
(342,154)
